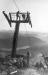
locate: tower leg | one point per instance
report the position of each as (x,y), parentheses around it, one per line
(15,38)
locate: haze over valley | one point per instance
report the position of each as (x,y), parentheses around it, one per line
(32,42)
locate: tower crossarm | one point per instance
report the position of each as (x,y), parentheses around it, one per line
(18,17)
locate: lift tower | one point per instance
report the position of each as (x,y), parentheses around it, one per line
(17,18)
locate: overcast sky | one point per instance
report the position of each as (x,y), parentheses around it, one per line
(37,8)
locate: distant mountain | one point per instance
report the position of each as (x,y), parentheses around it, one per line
(36,44)
(6,38)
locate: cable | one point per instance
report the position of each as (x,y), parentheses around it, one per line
(16,4)
(26,28)
(8,6)
(29,41)
(5,10)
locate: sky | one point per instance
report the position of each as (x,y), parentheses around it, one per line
(38,11)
